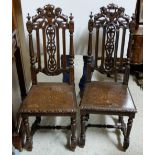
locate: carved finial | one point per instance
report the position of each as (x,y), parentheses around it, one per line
(39,10)
(28,17)
(58,11)
(90,23)
(91,15)
(71,24)
(71,17)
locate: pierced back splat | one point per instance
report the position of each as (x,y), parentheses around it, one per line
(114,23)
(48,22)
(51,48)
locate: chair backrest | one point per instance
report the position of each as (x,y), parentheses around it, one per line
(112,23)
(45,27)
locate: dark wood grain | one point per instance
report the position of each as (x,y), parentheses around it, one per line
(109,98)
(96,45)
(137,47)
(44,47)
(50,20)
(64,63)
(49,99)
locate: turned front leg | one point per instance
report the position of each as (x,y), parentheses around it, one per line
(83,130)
(127,138)
(73,132)
(28,144)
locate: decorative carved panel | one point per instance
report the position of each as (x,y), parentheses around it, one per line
(51,48)
(109,47)
(112,14)
(49,15)
(46,24)
(112,20)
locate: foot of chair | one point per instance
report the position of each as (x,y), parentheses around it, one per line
(126,144)
(83,130)
(28,146)
(82,142)
(127,138)
(73,144)
(28,143)
(73,133)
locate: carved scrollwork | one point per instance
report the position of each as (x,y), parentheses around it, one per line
(49,15)
(111,13)
(109,47)
(47,23)
(51,48)
(111,19)
(29,24)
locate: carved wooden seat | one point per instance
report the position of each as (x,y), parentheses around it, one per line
(50,99)
(109,98)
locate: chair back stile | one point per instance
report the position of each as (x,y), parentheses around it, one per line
(111,23)
(47,25)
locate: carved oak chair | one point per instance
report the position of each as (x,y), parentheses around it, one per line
(50,99)
(103,97)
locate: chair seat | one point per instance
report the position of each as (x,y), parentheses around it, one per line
(46,98)
(107,97)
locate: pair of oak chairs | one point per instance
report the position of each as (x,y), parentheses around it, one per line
(59,99)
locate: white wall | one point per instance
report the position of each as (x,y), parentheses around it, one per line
(80,10)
